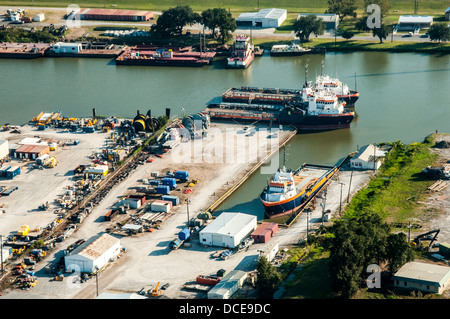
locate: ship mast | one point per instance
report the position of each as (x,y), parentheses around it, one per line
(306,74)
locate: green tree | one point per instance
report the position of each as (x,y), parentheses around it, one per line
(347,34)
(343,8)
(439,32)
(268,279)
(398,251)
(226,24)
(361,24)
(209,20)
(305,25)
(381,32)
(173,20)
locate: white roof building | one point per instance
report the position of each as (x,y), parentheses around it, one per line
(368,157)
(229,284)
(93,254)
(447,14)
(423,276)
(228,230)
(414,23)
(264,18)
(4,149)
(63,47)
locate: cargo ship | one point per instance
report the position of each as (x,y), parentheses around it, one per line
(289,191)
(335,86)
(165,57)
(242,54)
(325,83)
(309,110)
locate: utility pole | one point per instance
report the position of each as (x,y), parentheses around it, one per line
(350,185)
(323,204)
(1,251)
(187,201)
(340,200)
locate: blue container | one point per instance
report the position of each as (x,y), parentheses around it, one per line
(3,170)
(174,199)
(184,234)
(88,129)
(12,172)
(162,189)
(183,175)
(42,127)
(154,182)
(171,182)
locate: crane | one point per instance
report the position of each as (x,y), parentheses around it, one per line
(427,236)
(156,291)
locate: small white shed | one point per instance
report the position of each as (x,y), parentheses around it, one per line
(93,254)
(39,17)
(228,285)
(4,149)
(368,157)
(228,230)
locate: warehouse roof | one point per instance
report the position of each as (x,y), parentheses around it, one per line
(415,19)
(95,246)
(326,17)
(432,274)
(366,153)
(228,223)
(113,12)
(262,14)
(448,10)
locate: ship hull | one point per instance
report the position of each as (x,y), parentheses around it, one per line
(303,123)
(297,202)
(286,53)
(160,63)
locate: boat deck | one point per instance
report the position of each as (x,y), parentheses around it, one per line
(307,177)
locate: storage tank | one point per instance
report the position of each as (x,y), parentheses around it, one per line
(184,234)
(175,244)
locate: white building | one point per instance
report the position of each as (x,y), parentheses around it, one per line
(368,157)
(228,285)
(413,23)
(93,254)
(264,18)
(331,20)
(4,149)
(447,14)
(63,47)
(228,230)
(422,276)
(39,17)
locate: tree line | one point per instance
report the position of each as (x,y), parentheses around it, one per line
(307,25)
(172,22)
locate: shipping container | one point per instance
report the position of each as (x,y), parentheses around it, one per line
(264,232)
(182,175)
(162,189)
(12,172)
(207,280)
(88,129)
(161,206)
(184,234)
(42,159)
(174,199)
(171,182)
(3,170)
(111,214)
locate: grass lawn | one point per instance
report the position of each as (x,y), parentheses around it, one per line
(293,6)
(312,280)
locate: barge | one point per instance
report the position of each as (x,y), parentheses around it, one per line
(164,57)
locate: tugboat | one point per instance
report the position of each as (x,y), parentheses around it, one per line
(243,53)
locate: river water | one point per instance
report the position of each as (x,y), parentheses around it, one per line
(403,96)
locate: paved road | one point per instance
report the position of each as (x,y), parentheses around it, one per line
(256,32)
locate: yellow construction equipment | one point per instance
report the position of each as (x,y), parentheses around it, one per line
(23,231)
(156,291)
(51,162)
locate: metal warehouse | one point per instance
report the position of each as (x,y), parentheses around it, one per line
(93,254)
(229,284)
(423,276)
(413,23)
(117,15)
(331,20)
(4,149)
(265,18)
(228,230)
